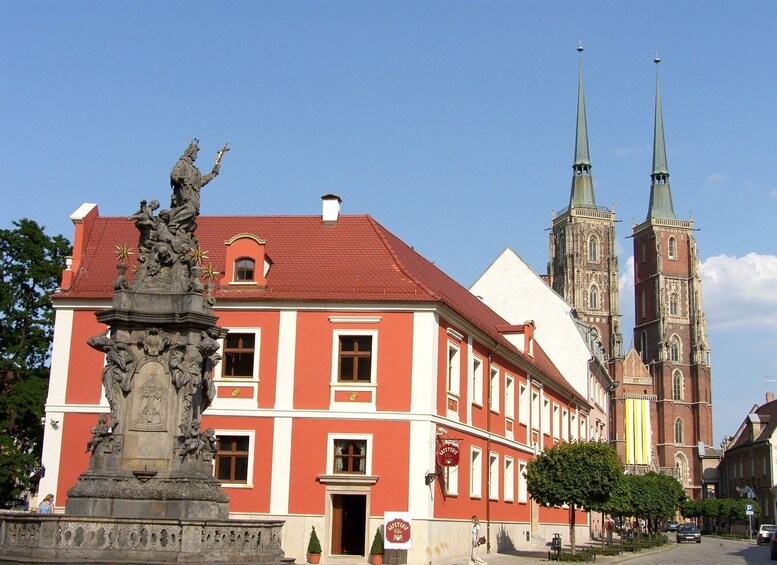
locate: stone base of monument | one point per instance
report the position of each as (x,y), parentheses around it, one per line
(56,538)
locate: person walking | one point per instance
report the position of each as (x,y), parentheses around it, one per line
(477,539)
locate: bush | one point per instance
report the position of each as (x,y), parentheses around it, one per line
(377,543)
(314,546)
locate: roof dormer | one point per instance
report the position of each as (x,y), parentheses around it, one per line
(246,261)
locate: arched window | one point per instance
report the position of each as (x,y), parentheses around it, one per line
(681,468)
(643,346)
(672,248)
(244,269)
(674,301)
(674,349)
(677,385)
(593,249)
(678,430)
(594,298)
(643,303)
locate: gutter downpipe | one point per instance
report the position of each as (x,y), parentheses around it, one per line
(488,456)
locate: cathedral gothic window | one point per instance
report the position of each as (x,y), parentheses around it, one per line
(672,248)
(678,431)
(594,298)
(593,249)
(674,349)
(677,385)
(673,304)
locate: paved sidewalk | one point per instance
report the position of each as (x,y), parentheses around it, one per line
(539,554)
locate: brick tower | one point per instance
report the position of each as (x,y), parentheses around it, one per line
(583,266)
(670,329)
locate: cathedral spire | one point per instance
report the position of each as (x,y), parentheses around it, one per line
(660,191)
(582,194)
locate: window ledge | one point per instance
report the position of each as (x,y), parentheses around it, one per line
(347,479)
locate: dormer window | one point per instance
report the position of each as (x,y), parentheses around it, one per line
(244,269)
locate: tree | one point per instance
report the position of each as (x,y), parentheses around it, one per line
(31,264)
(581,475)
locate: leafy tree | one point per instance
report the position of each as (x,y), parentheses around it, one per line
(581,475)
(31,264)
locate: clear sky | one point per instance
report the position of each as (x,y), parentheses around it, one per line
(451,123)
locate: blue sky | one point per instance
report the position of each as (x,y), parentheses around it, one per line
(452,123)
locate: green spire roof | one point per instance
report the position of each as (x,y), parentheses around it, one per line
(582,194)
(660,191)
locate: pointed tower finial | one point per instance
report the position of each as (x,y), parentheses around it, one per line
(660,192)
(582,184)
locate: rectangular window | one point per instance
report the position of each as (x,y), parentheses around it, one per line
(574,429)
(494,389)
(556,421)
(350,456)
(509,397)
(522,488)
(355,358)
(451,477)
(535,409)
(509,479)
(546,416)
(583,428)
(476,473)
(477,381)
(239,355)
(523,404)
(232,454)
(493,476)
(454,369)
(565,424)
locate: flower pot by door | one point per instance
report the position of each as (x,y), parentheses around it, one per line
(377,560)
(314,558)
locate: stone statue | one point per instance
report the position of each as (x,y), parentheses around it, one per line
(186,182)
(100,433)
(118,371)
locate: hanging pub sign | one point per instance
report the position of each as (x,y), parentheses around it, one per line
(397,526)
(448,455)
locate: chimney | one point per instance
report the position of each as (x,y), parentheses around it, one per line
(528,334)
(769,396)
(331,209)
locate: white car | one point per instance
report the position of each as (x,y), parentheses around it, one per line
(765,533)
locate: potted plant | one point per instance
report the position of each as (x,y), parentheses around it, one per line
(377,548)
(314,547)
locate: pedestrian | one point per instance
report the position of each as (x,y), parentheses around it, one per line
(46,504)
(609,527)
(477,540)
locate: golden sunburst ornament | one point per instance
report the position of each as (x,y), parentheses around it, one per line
(123,252)
(198,255)
(210,272)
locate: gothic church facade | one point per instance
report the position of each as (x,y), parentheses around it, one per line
(661,416)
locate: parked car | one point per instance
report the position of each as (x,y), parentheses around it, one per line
(688,532)
(773,548)
(765,533)
(671,526)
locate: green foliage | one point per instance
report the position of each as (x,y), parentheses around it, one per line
(31,264)
(725,508)
(576,473)
(314,546)
(579,474)
(377,543)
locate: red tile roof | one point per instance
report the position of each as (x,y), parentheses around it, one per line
(356,259)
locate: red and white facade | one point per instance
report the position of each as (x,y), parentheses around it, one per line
(349,363)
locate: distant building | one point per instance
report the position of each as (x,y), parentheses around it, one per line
(350,362)
(749,463)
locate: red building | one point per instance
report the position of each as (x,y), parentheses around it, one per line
(350,360)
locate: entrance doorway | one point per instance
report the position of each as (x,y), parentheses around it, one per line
(349,517)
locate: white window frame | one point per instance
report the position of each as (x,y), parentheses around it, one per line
(556,421)
(573,426)
(493,383)
(477,380)
(336,334)
(545,415)
(509,480)
(493,475)
(523,403)
(330,453)
(671,252)
(251,434)
(475,472)
(523,491)
(509,396)
(453,369)
(218,372)
(535,409)
(565,424)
